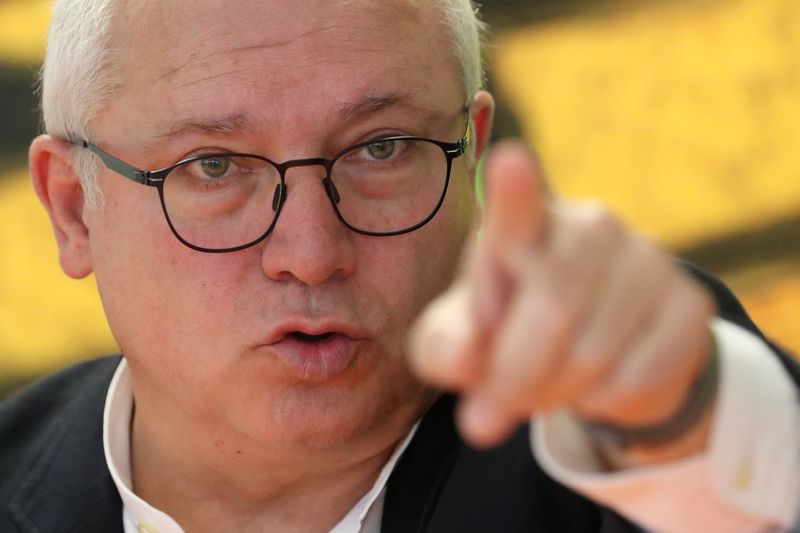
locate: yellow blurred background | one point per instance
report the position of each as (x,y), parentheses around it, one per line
(683,116)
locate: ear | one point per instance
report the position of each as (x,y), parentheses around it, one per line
(482,111)
(482,114)
(59,189)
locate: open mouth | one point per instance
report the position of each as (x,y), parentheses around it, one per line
(315,352)
(311,339)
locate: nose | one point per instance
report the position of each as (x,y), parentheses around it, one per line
(308,243)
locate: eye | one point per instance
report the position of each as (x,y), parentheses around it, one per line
(382,150)
(215,167)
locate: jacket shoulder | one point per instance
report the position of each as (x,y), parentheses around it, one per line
(34,416)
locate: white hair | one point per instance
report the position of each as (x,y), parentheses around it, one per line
(78,77)
(468,34)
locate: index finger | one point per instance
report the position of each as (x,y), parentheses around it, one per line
(517,205)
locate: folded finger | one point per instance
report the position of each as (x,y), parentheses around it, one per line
(444,342)
(660,367)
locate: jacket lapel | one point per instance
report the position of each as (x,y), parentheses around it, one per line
(419,477)
(441,485)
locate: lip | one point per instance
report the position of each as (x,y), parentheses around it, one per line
(313,327)
(319,361)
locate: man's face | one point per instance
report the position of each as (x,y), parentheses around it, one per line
(208,336)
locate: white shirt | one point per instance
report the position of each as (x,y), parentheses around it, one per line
(140,517)
(747,480)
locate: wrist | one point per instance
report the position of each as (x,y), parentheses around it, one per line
(682,434)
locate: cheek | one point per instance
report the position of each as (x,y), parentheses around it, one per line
(128,260)
(412,269)
(148,281)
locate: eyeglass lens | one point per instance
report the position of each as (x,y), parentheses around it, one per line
(222,202)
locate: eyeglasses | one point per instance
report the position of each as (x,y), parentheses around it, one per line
(224,202)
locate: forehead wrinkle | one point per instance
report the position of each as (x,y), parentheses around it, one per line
(241,122)
(169,74)
(209,78)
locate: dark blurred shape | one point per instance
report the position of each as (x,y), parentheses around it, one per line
(756,247)
(20,114)
(502,14)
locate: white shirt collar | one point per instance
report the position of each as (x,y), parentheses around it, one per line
(139,516)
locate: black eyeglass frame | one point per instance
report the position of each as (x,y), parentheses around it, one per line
(156,178)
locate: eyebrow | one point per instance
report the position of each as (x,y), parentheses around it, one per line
(241,123)
(372,104)
(228,124)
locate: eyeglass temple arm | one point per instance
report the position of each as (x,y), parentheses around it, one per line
(461,146)
(466,140)
(146,177)
(117,165)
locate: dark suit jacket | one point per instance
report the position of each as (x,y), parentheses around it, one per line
(53,475)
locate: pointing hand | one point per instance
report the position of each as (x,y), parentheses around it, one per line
(559,305)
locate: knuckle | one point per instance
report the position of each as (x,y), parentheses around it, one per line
(621,394)
(652,264)
(592,363)
(621,405)
(693,306)
(650,253)
(701,300)
(563,315)
(600,222)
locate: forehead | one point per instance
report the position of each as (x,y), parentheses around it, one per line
(194,26)
(282,57)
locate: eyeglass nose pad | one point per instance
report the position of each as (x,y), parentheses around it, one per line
(279,197)
(333,194)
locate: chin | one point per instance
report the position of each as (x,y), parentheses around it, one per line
(319,417)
